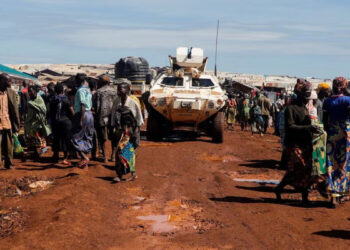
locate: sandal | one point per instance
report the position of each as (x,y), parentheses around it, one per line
(83,164)
(66,162)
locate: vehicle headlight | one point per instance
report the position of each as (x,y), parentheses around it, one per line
(161,102)
(211,105)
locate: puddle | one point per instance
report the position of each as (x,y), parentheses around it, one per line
(160,223)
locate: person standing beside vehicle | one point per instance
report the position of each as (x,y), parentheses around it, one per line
(126,120)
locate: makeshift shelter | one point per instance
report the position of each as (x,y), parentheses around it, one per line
(17,75)
(233,87)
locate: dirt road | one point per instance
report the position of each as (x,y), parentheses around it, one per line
(185,197)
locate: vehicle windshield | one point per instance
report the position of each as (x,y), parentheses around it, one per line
(173,81)
(199,82)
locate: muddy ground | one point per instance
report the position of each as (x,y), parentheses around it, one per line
(185,197)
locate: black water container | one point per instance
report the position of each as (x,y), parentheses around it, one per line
(132,68)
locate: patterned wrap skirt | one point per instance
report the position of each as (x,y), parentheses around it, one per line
(299,167)
(338,153)
(82,137)
(231,116)
(125,160)
(319,154)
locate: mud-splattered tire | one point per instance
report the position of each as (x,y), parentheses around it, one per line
(218,128)
(154,127)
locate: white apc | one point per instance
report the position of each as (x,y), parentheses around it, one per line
(186,98)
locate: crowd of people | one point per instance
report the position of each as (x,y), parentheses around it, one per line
(253,109)
(314,128)
(76,121)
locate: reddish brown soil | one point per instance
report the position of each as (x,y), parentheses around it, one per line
(191,183)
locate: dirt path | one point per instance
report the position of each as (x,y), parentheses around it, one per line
(185,197)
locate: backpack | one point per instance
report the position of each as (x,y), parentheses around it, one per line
(123,117)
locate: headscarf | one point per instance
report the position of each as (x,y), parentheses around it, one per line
(323,86)
(339,84)
(302,86)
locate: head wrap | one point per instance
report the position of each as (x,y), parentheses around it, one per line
(302,86)
(122,80)
(323,86)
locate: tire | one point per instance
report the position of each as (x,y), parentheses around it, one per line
(217,132)
(154,127)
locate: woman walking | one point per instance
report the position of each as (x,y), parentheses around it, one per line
(83,121)
(35,124)
(298,141)
(336,120)
(61,113)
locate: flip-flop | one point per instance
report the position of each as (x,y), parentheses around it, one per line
(44,150)
(67,163)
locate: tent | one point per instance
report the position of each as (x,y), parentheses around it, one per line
(16,74)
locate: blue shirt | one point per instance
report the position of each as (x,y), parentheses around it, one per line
(337,108)
(83,96)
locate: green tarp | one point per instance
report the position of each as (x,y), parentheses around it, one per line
(16,73)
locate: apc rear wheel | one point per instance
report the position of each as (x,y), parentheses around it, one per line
(218,128)
(154,127)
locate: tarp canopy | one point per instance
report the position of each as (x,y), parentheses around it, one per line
(16,74)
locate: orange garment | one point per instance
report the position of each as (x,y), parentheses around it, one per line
(4,112)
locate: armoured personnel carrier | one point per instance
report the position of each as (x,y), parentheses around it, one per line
(186,98)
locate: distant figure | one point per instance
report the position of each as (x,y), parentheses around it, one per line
(256,118)
(265,105)
(126,120)
(243,110)
(9,120)
(231,112)
(323,92)
(24,98)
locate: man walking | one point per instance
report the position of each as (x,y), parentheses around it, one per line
(102,103)
(9,120)
(265,105)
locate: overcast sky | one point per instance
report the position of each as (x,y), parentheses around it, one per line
(289,37)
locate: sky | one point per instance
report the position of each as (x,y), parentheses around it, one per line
(273,37)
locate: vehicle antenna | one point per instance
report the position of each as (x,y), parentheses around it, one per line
(216,47)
